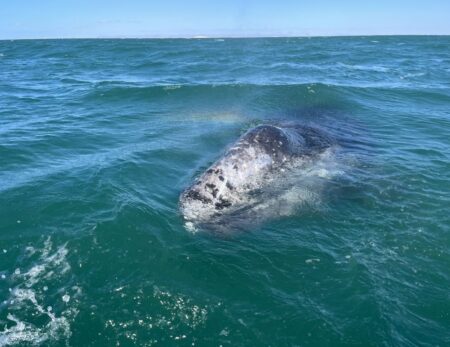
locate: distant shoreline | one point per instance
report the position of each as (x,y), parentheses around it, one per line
(220,37)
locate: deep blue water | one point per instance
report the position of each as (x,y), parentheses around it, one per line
(98,138)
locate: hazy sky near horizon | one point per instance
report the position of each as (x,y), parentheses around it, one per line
(178,18)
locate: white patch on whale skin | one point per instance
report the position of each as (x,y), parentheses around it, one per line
(247,177)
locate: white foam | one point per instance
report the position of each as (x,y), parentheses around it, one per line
(28,294)
(24,331)
(190,227)
(412,75)
(48,261)
(20,333)
(172,87)
(312,260)
(375,68)
(66,298)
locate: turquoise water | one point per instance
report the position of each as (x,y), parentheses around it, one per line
(98,138)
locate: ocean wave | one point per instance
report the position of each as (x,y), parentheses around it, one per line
(99,160)
(124,88)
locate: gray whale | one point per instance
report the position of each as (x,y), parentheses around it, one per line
(250,166)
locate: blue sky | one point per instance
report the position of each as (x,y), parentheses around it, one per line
(178,18)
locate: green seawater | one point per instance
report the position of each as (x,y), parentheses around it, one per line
(98,138)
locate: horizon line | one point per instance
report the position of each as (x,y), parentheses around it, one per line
(205,37)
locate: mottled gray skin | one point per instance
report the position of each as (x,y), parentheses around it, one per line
(228,184)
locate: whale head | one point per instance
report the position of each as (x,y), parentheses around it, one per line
(254,163)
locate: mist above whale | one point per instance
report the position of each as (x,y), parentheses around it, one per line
(255,176)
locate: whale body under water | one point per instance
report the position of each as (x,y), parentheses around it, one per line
(261,174)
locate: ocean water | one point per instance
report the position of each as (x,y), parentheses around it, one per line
(98,138)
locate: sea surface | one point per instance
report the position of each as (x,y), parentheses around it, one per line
(98,138)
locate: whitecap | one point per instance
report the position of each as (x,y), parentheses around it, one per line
(412,75)
(172,87)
